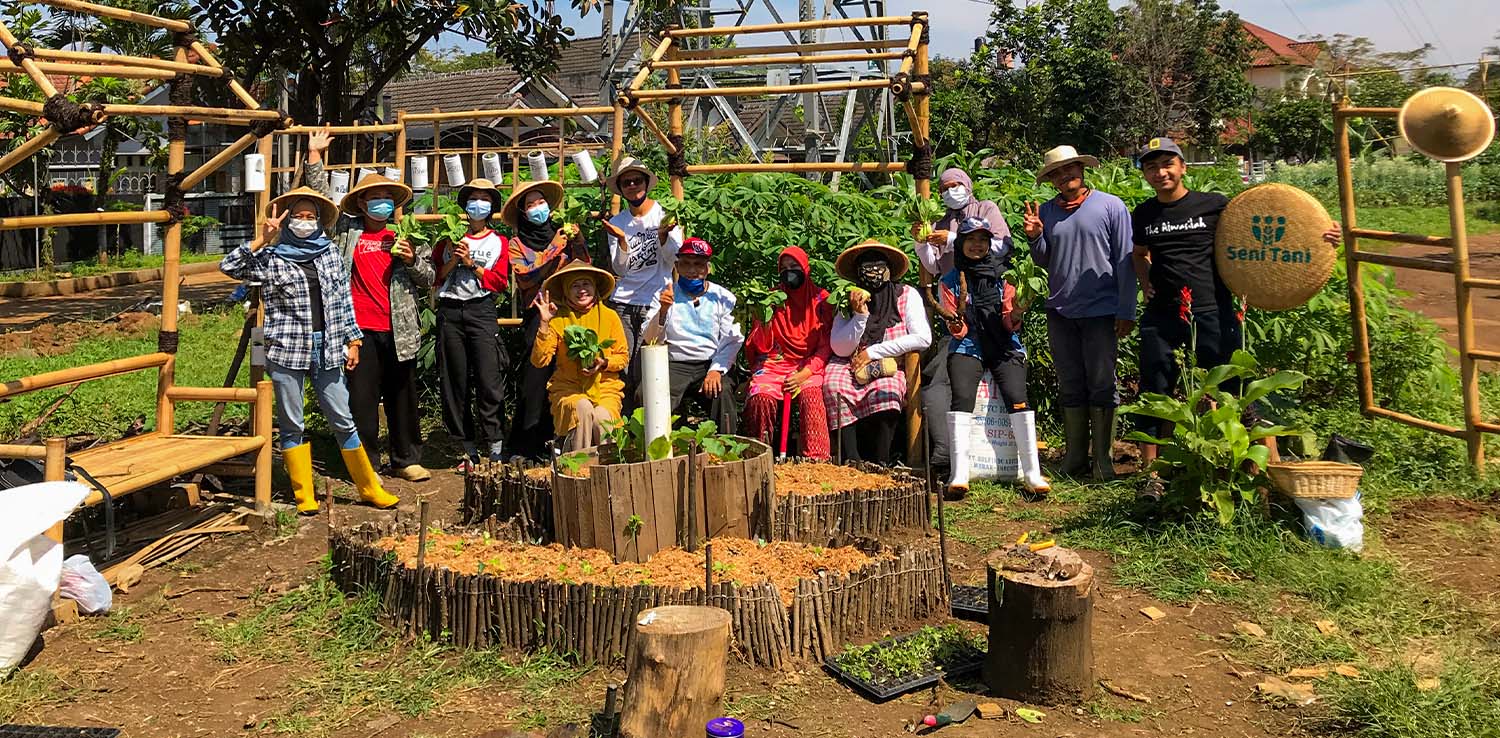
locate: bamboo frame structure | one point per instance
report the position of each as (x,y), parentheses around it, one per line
(1474,426)
(141,461)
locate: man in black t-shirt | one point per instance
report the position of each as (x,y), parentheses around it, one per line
(1174,265)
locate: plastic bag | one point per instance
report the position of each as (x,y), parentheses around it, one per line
(1334,522)
(30,562)
(83,584)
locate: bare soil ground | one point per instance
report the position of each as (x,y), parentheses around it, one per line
(27,313)
(1432,293)
(175,680)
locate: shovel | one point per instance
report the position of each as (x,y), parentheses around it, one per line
(954,713)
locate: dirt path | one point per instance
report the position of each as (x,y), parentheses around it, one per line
(26,313)
(1432,292)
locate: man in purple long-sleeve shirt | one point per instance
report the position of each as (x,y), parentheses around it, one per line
(1083,238)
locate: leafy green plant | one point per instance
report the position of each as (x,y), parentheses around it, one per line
(574,462)
(679,212)
(709,441)
(839,294)
(1209,456)
(633,527)
(584,345)
(1028,277)
(899,660)
(757,303)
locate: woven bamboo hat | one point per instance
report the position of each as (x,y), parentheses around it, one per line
(327,211)
(553,191)
(353,203)
(604,282)
(1062,156)
(1270,246)
(1447,124)
(479,184)
(847,261)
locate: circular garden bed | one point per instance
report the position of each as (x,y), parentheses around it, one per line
(789,600)
(827,504)
(518,492)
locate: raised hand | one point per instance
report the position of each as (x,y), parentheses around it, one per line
(271,228)
(402,250)
(544,306)
(320,139)
(1031,220)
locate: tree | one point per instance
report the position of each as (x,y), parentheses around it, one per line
(341,54)
(955,105)
(452,59)
(1292,127)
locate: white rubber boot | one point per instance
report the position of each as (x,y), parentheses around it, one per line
(1023,426)
(959,425)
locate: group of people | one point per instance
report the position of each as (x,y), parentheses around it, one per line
(342,296)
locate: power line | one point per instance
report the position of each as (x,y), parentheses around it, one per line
(1405,22)
(1305,30)
(1447,51)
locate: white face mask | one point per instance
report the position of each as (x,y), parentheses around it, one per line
(956,197)
(302,228)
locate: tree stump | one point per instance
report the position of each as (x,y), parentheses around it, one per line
(675,672)
(1041,618)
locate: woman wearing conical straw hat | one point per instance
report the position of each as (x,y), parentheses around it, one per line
(584,396)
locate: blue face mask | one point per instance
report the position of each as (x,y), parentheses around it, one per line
(539,214)
(690,286)
(381,209)
(478,209)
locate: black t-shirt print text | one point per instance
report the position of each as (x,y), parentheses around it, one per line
(1180,237)
(643,248)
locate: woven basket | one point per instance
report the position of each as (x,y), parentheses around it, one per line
(1316,479)
(1270,248)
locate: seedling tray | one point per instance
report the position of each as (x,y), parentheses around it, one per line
(971,602)
(47,731)
(880,691)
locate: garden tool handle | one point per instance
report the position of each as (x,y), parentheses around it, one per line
(786,420)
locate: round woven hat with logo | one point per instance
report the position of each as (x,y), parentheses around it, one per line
(1270,246)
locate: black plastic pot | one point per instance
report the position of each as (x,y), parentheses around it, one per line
(881,689)
(971,602)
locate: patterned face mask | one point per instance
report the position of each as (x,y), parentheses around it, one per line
(874,273)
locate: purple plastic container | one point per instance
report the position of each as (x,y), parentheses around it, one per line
(725,727)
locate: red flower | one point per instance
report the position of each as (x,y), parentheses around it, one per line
(1240,304)
(1185,312)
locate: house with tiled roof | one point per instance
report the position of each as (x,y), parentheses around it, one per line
(1278,62)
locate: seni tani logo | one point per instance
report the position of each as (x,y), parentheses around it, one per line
(1268,231)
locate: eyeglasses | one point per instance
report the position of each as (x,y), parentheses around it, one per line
(632,181)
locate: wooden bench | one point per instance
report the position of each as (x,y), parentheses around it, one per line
(132,464)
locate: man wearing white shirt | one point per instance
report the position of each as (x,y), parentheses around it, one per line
(641,254)
(696,317)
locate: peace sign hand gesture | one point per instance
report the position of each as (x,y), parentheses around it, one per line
(271,228)
(1031,220)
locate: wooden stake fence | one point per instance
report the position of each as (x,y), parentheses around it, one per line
(841,518)
(593,622)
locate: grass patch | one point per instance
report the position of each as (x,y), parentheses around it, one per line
(24,691)
(122,625)
(126,262)
(107,407)
(1104,709)
(1429,220)
(346,663)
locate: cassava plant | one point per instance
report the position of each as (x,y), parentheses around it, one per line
(584,345)
(1211,460)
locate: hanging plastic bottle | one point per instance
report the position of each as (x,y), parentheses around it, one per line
(586,169)
(492,169)
(453,169)
(538,163)
(419,180)
(255,173)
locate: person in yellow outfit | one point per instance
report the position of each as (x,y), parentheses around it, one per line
(583,398)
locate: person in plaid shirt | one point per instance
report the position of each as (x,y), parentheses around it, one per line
(310,332)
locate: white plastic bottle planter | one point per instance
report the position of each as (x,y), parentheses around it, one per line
(255,173)
(586,170)
(338,183)
(453,169)
(492,169)
(538,163)
(418,167)
(363,172)
(391,173)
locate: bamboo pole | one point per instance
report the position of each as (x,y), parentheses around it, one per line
(74,375)
(54,469)
(401,144)
(207,57)
(166,412)
(752,91)
(145,19)
(231,115)
(1415,422)
(25,107)
(219,161)
(756,61)
(90,70)
(78,219)
(1419,263)
(1351,112)
(1352,256)
(645,72)
(29,65)
(93,57)
(798,166)
(913,47)
(655,129)
(888,20)
(507,113)
(36,143)
(21,451)
(674,121)
(265,147)
(1468,368)
(210,394)
(871,44)
(260,420)
(345,130)
(1411,238)
(923,99)
(616,148)
(1484,284)
(172,241)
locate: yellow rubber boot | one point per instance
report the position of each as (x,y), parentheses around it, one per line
(298,461)
(366,480)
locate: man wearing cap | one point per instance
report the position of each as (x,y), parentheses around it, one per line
(1174,236)
(1082,238)
(696,317)
(385,278)
(641,253)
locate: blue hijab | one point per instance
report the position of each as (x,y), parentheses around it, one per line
(302,250)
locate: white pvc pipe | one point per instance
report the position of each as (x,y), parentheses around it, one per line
(656,392)
(492,170)
(419,180)
(338,182)
(363,172)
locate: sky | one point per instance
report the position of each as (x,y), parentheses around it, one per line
(1459,29)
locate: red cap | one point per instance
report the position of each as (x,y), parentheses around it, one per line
(695,246)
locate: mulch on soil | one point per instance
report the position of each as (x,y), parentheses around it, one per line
(743,561)
(812,479)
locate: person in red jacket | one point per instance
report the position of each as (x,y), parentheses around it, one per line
(471,358)
(786,356)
